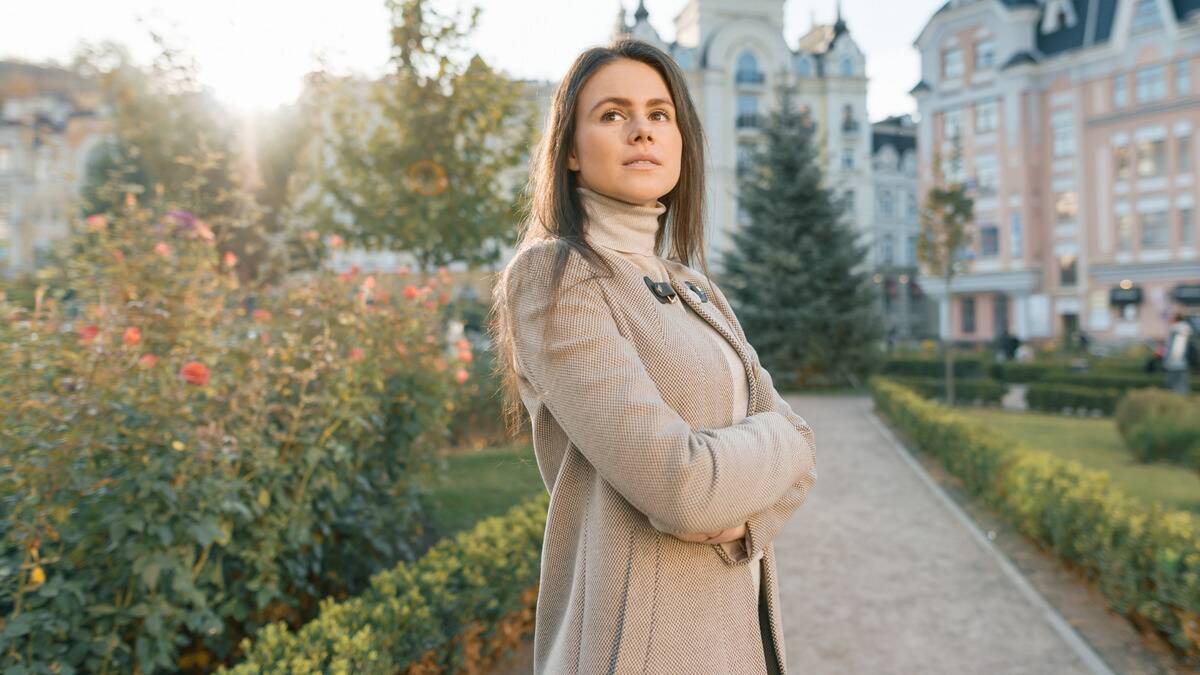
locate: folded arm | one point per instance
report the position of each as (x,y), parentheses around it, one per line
(592,380)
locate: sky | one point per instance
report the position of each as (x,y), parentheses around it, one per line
(253,53)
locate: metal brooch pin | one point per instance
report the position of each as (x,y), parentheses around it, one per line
(662,290)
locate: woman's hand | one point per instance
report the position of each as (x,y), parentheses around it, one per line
(724,536)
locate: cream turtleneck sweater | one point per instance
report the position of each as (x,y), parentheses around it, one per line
(630,230)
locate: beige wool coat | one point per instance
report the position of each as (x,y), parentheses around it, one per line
(633,434)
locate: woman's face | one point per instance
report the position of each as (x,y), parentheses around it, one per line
(625,111)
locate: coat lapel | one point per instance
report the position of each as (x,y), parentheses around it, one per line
(706,311)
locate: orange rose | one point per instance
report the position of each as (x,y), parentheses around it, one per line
(148,360)
(230,259)
(261,315)
(132,336)
(411,292)
(461,375)
(356,354)
(194,372)
(463,343)
(162,248)
(465,356)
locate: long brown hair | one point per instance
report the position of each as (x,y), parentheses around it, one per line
(553,210)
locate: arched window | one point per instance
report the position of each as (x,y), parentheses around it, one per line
(847,67)
(747,70)
(805,68)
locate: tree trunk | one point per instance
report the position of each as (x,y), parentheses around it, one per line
(947,347)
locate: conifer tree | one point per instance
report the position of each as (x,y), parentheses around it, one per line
(796,273)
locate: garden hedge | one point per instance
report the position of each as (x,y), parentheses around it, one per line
(459,607)
(1145,560)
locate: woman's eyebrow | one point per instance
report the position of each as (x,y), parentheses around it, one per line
(627,103)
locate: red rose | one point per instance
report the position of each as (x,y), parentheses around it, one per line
(461,375)
(411,292)
(356,354)
(89,332)
(148,360)
(194,372)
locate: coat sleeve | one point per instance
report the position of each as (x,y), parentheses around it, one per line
(593,382)
(761,527)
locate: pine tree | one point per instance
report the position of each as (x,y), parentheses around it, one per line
(795,273)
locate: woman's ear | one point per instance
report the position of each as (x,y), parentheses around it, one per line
(572,161)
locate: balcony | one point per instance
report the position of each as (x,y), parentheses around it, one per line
(749,77)
(749,121)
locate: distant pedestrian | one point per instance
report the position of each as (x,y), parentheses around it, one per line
(1177,355)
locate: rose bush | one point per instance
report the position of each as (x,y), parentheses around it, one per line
(185,459)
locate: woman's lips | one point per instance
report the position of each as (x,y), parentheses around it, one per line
(642,164)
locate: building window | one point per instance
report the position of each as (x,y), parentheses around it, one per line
(1151,158)
(985,117)
(967,305)
(847,67)
(747,111)
(747,70)
(986,174)
(847,158)
(1120,97)
(743,159)
(849,124)
(805,68)
(985,54)
(1151,83)
(1183,77)
(910,250)
(886,204)
(952,124)
(952,63)
(1187,226)
(1066,206)
(989,241)
(1145,16)
(1156,232)
(886,252)
(1066,269)
(1014,236)
(1062,131)
(1183,148)
(1121,161)
(911,199)
(851,206)
(1125,232)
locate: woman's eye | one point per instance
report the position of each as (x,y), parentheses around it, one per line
(664,118)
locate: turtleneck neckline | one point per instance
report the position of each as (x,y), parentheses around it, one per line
(618,224)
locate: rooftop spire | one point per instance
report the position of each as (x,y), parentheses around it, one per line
(641,12)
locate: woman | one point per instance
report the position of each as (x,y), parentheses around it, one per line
(671,460)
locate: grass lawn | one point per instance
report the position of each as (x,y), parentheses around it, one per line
(481,484)
(1097,445)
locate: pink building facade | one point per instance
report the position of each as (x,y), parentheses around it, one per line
(1077,123)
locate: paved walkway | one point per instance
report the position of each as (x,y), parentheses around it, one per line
(883,573)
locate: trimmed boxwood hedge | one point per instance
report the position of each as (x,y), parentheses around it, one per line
(460,607)
(1053,398)
(1146,560)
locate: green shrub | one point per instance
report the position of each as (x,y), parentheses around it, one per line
(434,611)
(964,366)
(1159,425)
(1145,560)
(177,470)
(979,391)
(1054,398)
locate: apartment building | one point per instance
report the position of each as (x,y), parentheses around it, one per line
(1077,122)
